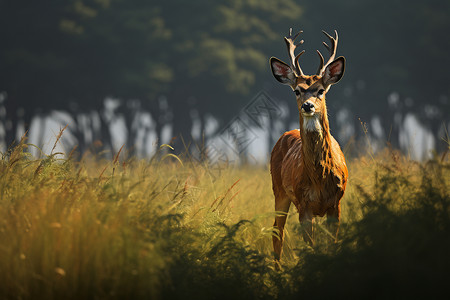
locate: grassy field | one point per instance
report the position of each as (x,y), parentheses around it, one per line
(171,229)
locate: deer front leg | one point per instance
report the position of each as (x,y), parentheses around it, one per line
(333,218)
(306,222)
(282,205)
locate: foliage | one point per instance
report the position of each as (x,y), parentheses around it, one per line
(212,56)
(392,48)
(131,228)
(82,51)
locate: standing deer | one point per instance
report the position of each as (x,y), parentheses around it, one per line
(307,165)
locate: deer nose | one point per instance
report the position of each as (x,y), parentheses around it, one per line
(308,107)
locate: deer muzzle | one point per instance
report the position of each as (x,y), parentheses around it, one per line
(308,108)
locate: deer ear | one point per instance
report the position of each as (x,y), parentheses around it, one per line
(282,72)
(334,71)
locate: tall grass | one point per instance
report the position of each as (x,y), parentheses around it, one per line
(168,228)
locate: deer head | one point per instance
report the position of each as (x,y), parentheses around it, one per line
(310,90)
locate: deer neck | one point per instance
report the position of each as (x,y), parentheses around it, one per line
(316,144)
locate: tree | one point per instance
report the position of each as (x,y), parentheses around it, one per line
(219,54)
(398,46)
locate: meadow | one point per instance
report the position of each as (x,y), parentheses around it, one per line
(175,228)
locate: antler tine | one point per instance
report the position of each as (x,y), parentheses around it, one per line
(291,50)
(321,63)
(332,49)
(295,37)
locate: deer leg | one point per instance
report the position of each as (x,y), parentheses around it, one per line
(282,205)
(333,217)
(306,222)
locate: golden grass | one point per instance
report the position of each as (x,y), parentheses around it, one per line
(132,228)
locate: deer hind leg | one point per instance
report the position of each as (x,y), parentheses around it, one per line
(333,218)
(282,204)
(306,221)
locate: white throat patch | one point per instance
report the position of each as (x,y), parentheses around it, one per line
(312,124)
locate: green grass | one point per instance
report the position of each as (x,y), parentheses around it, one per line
(170,229)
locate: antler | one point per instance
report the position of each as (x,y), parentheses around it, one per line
(291,49)
(332,49)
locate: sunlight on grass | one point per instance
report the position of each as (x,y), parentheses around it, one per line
(168,228)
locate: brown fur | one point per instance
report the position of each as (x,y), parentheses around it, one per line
(308,169)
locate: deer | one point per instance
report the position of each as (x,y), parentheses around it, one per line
(307,165)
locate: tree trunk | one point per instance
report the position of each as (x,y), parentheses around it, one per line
(130,110)
(182,122)
(11,121)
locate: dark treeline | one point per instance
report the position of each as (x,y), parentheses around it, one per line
(182,61)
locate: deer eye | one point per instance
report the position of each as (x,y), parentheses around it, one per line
(320,92)
(297,92)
